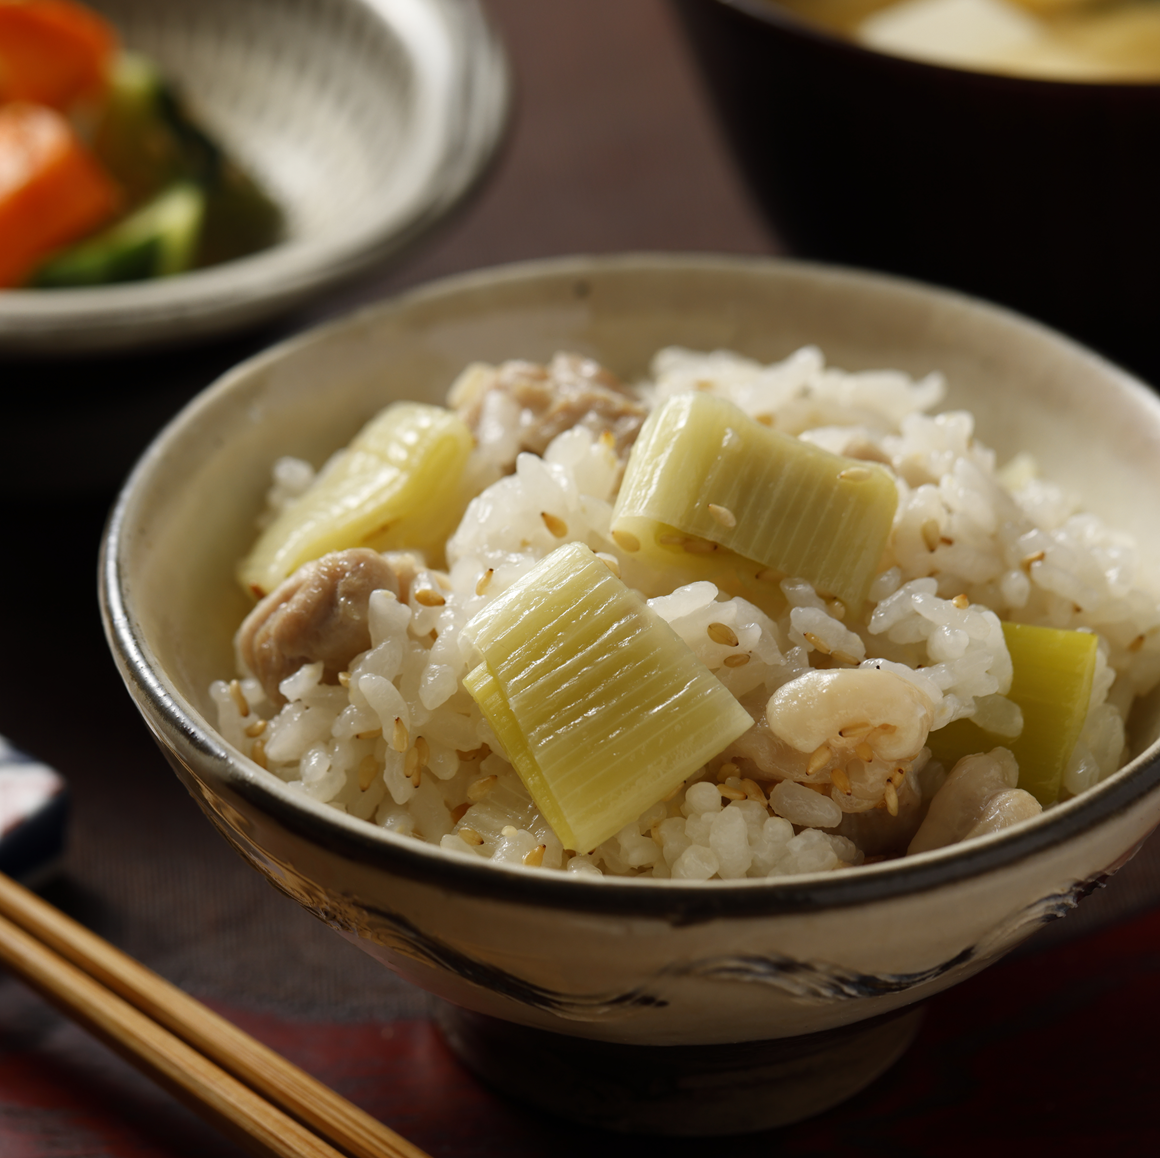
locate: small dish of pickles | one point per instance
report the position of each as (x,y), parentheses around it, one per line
(106,176)
(173,171)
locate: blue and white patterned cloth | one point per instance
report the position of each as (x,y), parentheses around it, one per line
(33,812)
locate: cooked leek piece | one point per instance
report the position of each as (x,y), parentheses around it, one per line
(398,484)
(601,708)
(705,477)
(1052,684)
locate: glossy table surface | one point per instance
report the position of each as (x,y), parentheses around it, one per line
(612,148)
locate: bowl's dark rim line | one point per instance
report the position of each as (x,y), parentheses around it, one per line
(676,901)
(770,13)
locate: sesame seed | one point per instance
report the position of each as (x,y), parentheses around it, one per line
(961,602)
(400,740)
(891,799)
(723,515)
(478,789)
(819,759)
(753,791)
(815,641)
(930,533)
(699,546)
(764,419)
(422,751)
(722,633)
(769,575)
(856,731)
(672,795)
(606,439)
(481,584)
(425,597)
(535,858)
(344,679)
(836,608)
(460,811)
(258,753)
(369,734)
(411,764)
(259,726)
(480,753)
(854,474)
(470,836)
(864,752)
(840,780)
(610,561)
(367,770)
(626,541)
(555,524)
(237,695)
(1137,643)
(671,539)
(846,658)
(737,660)
(731,793)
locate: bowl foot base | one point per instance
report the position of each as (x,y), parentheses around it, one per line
(735,1088)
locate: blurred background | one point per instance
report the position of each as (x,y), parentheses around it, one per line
(613,146)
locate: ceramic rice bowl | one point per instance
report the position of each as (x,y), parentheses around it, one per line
(646,1005)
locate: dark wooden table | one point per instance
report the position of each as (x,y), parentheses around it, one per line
(612,149)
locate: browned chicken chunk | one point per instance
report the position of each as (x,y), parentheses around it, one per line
(318,613)
(570,391)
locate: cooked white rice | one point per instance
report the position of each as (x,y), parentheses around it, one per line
(972,544)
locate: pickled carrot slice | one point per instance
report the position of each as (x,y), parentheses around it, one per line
(52,51)
(52,191)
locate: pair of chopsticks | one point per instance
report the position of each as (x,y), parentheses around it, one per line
(248,1091)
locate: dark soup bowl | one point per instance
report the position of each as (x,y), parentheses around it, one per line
(1037,193)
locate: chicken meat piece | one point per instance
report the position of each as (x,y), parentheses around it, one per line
(570,391)
(318,613)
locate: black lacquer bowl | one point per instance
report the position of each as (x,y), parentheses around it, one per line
(1039,194)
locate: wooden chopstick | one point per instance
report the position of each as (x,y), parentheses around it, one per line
(216,1069)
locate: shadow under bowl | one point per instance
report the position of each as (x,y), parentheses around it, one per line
(664,969)
(1039,194)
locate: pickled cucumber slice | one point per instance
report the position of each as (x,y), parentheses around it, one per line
(1052,684)
(147,140)
(602,709)
(705,477)
(159,240)
(398,484)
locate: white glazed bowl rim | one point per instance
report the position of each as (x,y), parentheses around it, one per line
(179,726)
(476,89)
